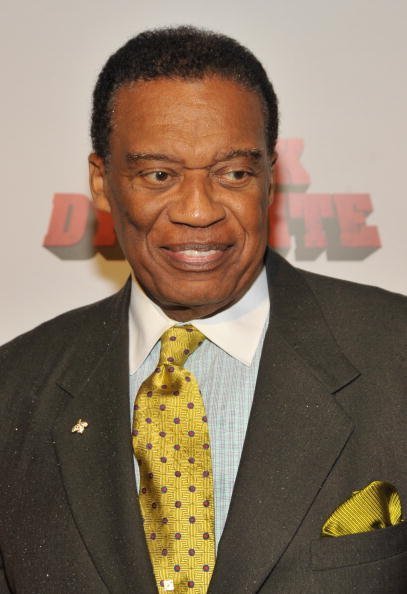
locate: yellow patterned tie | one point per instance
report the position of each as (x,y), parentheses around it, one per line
(171,445)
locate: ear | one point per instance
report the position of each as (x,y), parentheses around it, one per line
(273,173)
(97,182)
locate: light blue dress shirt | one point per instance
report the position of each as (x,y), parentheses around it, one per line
(226,382)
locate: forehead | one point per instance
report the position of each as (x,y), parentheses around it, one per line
(197,117)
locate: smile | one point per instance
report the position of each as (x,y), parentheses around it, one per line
(196,255)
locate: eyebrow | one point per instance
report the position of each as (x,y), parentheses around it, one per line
(253,153)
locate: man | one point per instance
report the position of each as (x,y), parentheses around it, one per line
(302,377)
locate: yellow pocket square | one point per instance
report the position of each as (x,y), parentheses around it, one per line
(376,506)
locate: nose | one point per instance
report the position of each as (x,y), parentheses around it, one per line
(195,203)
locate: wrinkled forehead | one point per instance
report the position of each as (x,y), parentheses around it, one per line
(190,112)
(169,81)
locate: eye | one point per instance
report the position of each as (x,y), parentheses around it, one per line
(237,175)
(157,177)
(234,177)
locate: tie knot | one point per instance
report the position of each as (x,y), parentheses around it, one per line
(178,342)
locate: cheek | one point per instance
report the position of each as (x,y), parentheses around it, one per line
(253,218)
(132,215)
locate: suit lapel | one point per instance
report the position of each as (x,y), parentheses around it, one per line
(97,465)
(295,434)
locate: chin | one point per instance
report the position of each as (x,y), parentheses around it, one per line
(194,300)
(191,301)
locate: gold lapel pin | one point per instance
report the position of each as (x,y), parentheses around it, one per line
(79,427)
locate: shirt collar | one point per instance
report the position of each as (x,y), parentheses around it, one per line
(237,330)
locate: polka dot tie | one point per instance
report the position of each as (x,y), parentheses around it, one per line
(171,445)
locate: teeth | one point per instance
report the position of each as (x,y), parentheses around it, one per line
(199,252)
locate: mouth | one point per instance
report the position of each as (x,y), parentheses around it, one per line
(196,255)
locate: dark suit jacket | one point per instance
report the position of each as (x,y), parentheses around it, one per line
(328,417)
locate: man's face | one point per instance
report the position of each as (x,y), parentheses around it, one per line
(188,183)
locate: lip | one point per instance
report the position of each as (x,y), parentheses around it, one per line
(199,256)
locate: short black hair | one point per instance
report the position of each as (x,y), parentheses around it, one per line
(178,52)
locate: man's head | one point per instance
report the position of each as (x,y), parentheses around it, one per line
(178,53)
(184,128)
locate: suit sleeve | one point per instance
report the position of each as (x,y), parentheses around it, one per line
(4,588)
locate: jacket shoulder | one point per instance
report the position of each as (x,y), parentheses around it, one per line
(355,298)
(31,352)
(370,323)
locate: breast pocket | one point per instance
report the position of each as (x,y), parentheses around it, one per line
(355,549)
